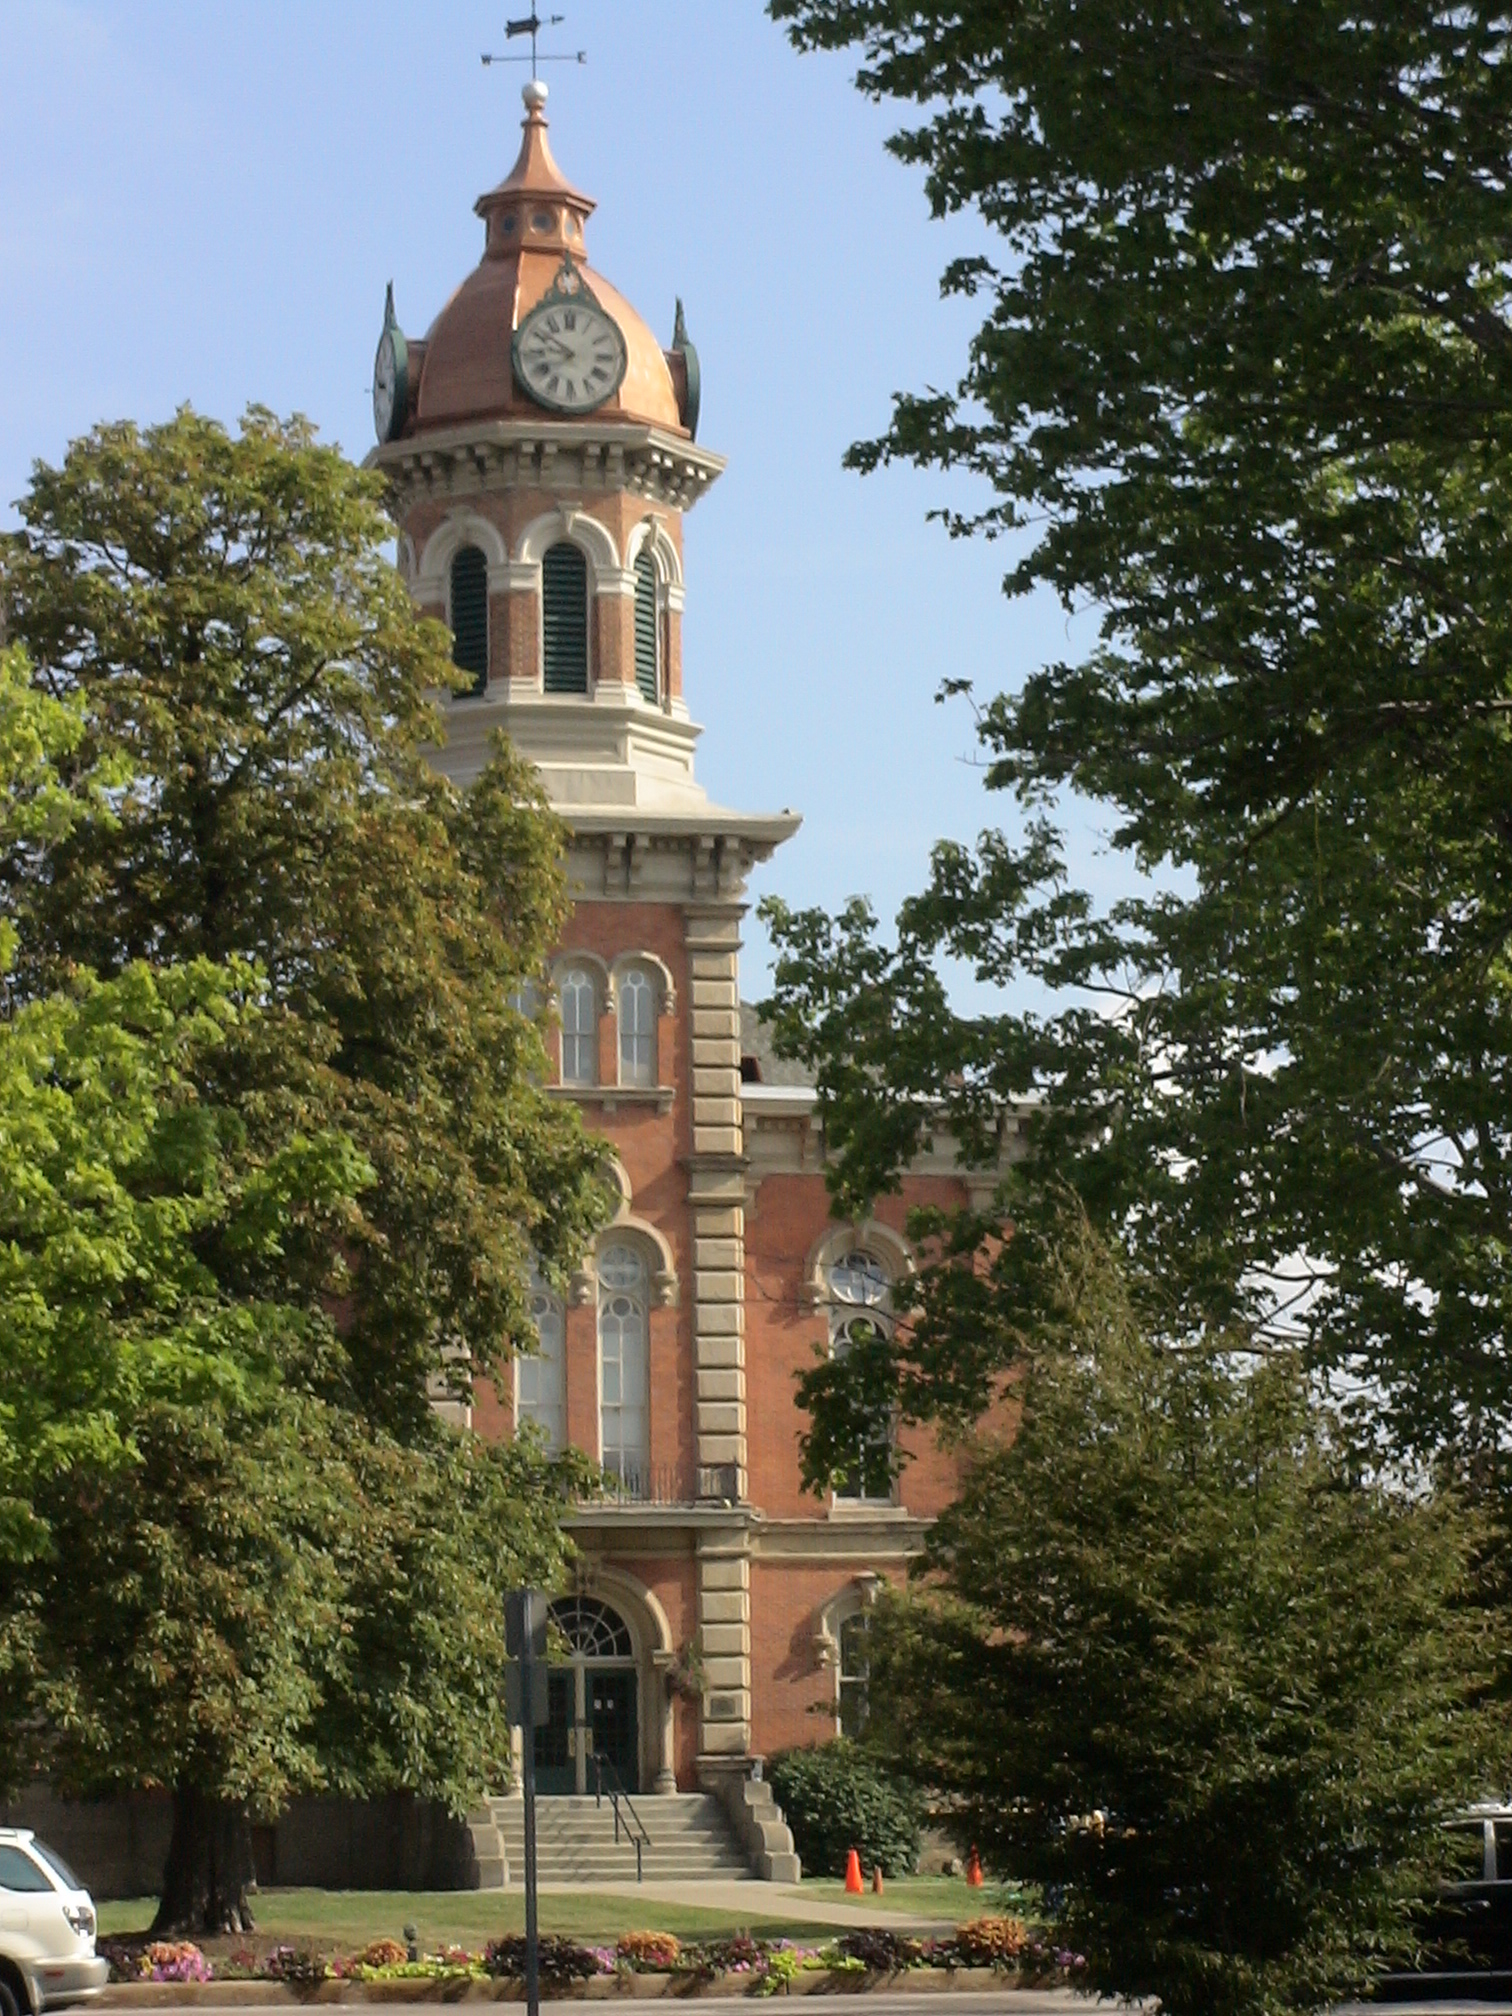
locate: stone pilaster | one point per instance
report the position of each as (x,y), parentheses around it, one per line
(716,1193)
(724,1631)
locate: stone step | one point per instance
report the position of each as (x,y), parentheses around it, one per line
(690,1839)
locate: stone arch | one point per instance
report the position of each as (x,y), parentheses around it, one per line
(652,532)
(584,531)
(458,528)
(660,972)
(890,1247)
(655,1250)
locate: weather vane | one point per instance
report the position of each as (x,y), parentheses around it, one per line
(531,25)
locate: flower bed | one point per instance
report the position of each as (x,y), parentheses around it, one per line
(1005,1947)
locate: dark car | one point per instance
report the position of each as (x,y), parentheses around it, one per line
(1468,1927)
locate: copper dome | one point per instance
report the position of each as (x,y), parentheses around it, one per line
(533,218)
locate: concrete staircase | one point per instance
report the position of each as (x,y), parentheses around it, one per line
(691,1840)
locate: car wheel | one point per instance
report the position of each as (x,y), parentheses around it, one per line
(9,2006)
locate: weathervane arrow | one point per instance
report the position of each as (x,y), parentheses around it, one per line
(531,24)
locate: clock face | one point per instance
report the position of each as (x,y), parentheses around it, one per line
(569,355)
(385,385)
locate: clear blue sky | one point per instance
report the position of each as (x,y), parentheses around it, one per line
(204,203)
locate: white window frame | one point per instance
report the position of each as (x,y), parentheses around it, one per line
(637,1066)
(624,1360)
(543,1367)
(579,1057)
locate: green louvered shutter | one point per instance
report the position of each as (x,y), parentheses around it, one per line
(645,627)
(469,615)
(564,619)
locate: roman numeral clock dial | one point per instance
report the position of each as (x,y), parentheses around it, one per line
(568,354)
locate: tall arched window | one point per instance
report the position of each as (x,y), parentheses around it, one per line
(541,1376)
(853,1673)
(858,1286)
(647,630)
(579,1000)
(564,619)
(637,1028)
(624,1367)
(469,614)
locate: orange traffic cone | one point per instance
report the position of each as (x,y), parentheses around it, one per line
(974,1871)
(853,1873)
(877,1880)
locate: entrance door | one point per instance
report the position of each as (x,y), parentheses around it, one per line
(555,1764)
(611,1710)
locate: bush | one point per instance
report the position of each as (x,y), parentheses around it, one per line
(991,1942)
(881,1951)
(655,1952)
(563,1962)
(835,1798)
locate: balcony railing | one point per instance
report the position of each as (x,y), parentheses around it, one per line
(629,1482)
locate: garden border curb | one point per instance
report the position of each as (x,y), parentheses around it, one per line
(600,1988)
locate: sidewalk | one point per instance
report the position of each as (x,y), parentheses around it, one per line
(762,1900)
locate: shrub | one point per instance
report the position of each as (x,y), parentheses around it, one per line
(835,1798)
(655,1952)
(562,1960)
(880,1951)
(991,1942)
(384,1953)
(299,1966)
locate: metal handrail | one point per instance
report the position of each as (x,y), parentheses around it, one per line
(617,1792)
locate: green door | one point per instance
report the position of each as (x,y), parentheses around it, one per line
(554,1763)
(612,1718)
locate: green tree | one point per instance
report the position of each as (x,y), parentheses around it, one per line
(1242,389)
(274,1151)
(221,611)
(1174,1660)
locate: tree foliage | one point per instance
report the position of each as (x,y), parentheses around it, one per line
(274,1151)
(1242,389)
(1176,1661)
(219,614)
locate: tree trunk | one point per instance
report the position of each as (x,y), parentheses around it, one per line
(209,1867)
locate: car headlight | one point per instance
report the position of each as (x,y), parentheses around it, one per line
(81,1918)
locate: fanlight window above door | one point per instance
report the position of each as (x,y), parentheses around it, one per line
(591,1628)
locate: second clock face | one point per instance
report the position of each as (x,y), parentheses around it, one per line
(569,355)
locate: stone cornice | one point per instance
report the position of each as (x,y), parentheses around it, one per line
(577,458)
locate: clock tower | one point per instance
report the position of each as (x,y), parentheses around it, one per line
(541,450)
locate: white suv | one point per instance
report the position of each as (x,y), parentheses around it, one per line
(47,1930)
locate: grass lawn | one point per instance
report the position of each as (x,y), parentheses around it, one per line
(345,1920)
(948,1898)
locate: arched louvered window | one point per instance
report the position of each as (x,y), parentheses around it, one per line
(469,614)
(647,630)
(637,1028)
(564,618)
(579,1027)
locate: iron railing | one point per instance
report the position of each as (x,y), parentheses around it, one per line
(630,1482)
(634,1826)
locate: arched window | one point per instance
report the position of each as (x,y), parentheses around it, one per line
(624,1367)
(647,630)
(564,619)
(637,1028)
(853,1673)
(541,1376)
(858,1285)
(579,1000)
(469,614)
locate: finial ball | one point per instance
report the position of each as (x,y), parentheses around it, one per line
(534,95)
